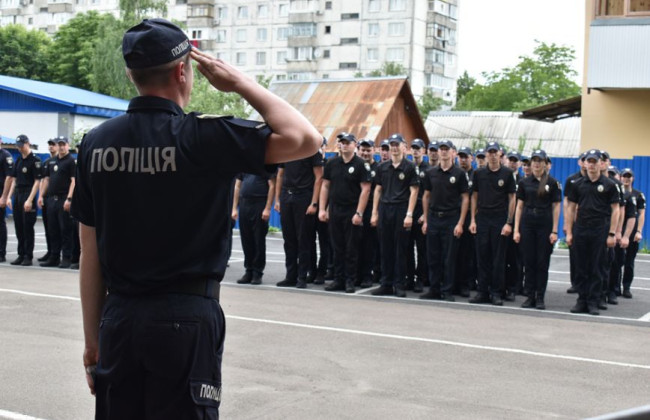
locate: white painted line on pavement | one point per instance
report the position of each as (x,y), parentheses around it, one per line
(22,292)
(645,317)
(444,342)
(4,414)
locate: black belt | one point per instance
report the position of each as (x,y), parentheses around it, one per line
(209,288)
(592,222)
(441,214)
(297,190)
(536,211)
(58,196)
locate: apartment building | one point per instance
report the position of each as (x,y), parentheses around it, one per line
(299,39)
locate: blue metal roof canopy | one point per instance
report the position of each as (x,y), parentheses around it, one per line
(18,94)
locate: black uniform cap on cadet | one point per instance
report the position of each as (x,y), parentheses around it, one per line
(385,143)
(493,146)
(396,138)
(539,154)
(433,145)
(593,154)
(583,155)
(366,142)
(51,142)
(627,171)
(612,169)
(417,143)
(62,139)
(347,136)
(604,155)
(154,42)
(513,155)
(445,143)
(480,153)
(525,159)
(465,151)
(21,139)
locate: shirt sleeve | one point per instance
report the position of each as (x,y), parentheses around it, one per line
(556,191)
(82,198)
(640,201)
(327,172)
(38,168)
(521,191)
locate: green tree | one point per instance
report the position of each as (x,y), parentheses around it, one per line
(429,102)
(132,11)
(387,69)
(208,100)
(24,53)
(464,84)
(534,81)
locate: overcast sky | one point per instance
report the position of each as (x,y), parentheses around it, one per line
(492,34)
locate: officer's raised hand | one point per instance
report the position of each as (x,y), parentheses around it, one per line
(220,74)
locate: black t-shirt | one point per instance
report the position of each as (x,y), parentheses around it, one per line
(26,171)
(132,167)
(6,167)
(445,188)
(45,171)
(635,201)
(493,188)
(568,183)
(396,181)
(254,186)
(527,191)
(345,180)
(299,174)
(594,199)
(420,171)
(60,171)
(621,191)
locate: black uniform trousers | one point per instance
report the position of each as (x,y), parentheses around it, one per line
(465,278)
(298,231)
(321,263)
(60,226)
(24,223)
(394,240)
(252,231)
(160,358)
(617,255)
(491,251)
(630,256)
(573,264)
(589,243)
(416,266)
(536,228)
(368,254)
(3,232)
(514,267)
(442,250)
(46,220)
(345,239)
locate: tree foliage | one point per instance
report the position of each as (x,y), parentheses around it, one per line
(24,53)
(132,11)
(429,102)
(534,81)
(464,84)
(388,68)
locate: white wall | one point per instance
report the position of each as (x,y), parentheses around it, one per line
(38,126)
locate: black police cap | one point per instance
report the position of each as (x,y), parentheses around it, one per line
(154,42)
(21,139)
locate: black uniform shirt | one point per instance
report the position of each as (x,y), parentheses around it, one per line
(568,183)
(254,186)
(45,171)
(27,170)
(421,171)
(470,181)
(6,167)
(61,171)
(635,201)
(345,180)
(493,188)
(445,188)
(621,191)
(299,174)
(594,199)
(527,192)
(396,181)
(155,183)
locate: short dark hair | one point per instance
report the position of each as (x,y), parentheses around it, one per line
(156,76)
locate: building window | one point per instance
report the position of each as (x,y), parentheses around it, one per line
(325,76)
(262,11)
(373,54)
(431,5)
(222,12)
(328,29)
(221,36)
(395,54)
(260,58)
(431,32)
(302,5)
(302,53)
(241,58)
(223,56)
(197,34)
(283,10)
(280,77)
(349,41)
(177,2)
(396,5)
(347,66)
(281,57)
(261,34)
(328,5)
(303,29)
(200,11)
(607,8)
(373,29)
(242,12)
(240,35)
(396,29)
(283,34)
(30,21)
(374,5)
(433,56)
(326,53)
(348,16)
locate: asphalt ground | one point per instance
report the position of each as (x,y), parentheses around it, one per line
(311,354)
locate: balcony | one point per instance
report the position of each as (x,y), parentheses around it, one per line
(11,12)
(299,66)
(190,2)
(302,41)
(62,7)
(302,17)
(207,44)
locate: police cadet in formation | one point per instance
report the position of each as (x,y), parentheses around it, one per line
(446,198)
(296,199)
(492,210)
(384,151)
(514,258)
(58,186)
(617,254)
(432,153)
(536,223)
(481,160)
(26,180)
(465,278)
(635,216)
(53,149)
(322,260)
(343,200)
(369,261)
(6,172)
(568,186)
(608,295)
(159,349)
(252,202)
(417,267)
(525,165)
(396,193)
(596,200)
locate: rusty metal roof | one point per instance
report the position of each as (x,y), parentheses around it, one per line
(367,107)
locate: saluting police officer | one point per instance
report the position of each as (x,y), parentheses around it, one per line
(492,211)
(597,200)
(42,195)
(396,193)
(465,278)
(58,187)
(446,200)
(417,267)
(6,171)
(369,261)
(536,223)
(343,200)
(635,216)
(26,181)
(159,349)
